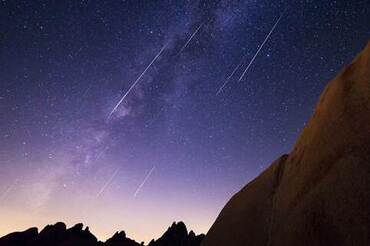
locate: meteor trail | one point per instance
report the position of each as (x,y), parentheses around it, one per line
(229,77)
(191,37)
(136,81)
(143,183)
(87,90)
(7,191)
(108,182)
(101,153)
(263,43)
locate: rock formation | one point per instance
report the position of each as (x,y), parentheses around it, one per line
(177,234)
(56,234)
(319,194)
(120,239)
(59,235)
(20,238)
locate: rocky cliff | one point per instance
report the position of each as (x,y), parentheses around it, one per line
(319,194)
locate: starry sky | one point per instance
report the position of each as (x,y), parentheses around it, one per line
(174,148)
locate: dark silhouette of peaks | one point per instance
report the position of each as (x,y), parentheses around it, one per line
(59,235)
(26,237)
(177,234)
(120,239)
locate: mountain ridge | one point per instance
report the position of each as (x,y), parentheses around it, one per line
(58,234)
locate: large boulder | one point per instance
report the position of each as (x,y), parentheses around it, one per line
(319,194)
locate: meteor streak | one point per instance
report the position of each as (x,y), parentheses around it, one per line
(108,182)
(136,81)
(143,183)
(263,43)
(7,191)
(87,90)
(191,37)
(101,153)
(229,77)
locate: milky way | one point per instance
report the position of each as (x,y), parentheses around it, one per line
(64,65)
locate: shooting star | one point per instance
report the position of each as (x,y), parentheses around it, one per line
(101,153)
(136,81)
(259,49)
(8,190)
(144,181)
(229,77)
(108,182)
(86,91)
(191,37)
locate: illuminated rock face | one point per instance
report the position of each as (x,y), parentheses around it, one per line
(319,194)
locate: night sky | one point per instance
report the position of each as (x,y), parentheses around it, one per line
(173,149)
